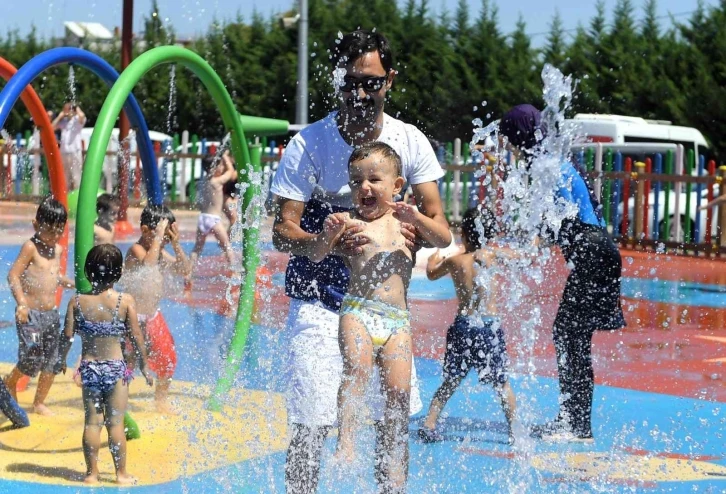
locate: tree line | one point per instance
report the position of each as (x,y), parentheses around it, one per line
(453,66)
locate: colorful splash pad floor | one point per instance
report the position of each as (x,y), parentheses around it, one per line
(659,415)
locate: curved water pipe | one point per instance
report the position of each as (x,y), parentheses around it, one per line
(50,148)
(55,56)
(233,122)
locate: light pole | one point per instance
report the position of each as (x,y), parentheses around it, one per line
(301,102)
(123,227)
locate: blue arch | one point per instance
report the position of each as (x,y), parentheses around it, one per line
(36,65)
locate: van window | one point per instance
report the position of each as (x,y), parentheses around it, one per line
(687,146)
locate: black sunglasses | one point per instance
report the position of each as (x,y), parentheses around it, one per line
(369,84)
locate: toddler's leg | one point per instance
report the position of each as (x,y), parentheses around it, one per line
(223,239)
(12,382)
(395,363)
(92,434)
(115,408)
(357,352)
(45,381)
(441,397)
(198,246)
(509,404)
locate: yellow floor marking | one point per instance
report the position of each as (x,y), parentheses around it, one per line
(252,424)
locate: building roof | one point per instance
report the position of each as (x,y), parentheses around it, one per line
(91,30)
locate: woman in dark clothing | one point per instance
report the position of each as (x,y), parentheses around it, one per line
(591,298)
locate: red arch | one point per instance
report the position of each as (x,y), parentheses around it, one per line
(50,148)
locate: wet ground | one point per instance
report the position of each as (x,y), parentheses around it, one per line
(659,414)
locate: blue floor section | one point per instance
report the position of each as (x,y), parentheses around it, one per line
(473,458)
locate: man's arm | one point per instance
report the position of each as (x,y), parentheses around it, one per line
(288,235)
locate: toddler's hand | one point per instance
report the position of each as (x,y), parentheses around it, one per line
(22,314)
(160,230)
(173,233)
(405,213)
(333,226)
(147,376)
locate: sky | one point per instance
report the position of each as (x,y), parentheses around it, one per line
(191,17)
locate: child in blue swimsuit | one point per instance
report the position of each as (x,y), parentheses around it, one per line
(104,318)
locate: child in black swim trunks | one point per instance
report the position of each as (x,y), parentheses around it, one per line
(476,339)
(104,318)
(34,279)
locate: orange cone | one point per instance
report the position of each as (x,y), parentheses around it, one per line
(22,384)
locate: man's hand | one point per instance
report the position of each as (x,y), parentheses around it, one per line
(413,242)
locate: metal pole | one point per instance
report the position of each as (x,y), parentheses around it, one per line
(123,227)
(301,107)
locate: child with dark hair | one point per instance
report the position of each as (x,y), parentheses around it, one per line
(34,278)
(217,173)
(104,318)
(476,339)
(107,208)
(144,268)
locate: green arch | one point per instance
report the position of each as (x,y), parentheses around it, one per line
(92,174)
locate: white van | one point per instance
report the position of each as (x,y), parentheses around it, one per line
(619,129)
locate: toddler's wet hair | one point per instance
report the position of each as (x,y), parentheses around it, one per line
(209,163)
(51,213)
(381,149)
(470,230)
(104,265)
(153,214)
(105,202)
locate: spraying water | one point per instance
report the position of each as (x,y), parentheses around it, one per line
(72,85)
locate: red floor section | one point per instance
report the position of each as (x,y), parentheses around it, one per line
(669,349)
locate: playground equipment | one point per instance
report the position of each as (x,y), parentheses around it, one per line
(36,65)
(252,175)
(50,148)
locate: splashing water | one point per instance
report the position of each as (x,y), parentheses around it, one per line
(72,85)
(526,203)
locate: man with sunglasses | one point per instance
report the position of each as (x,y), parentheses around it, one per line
(310,183)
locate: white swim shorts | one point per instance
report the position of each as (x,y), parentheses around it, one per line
(206,222)
(316,366)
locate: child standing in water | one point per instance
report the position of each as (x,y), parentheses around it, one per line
(144,267)
(374,319)
(34,278)
(104,318)
(218,172)
(107,208)
(476,339)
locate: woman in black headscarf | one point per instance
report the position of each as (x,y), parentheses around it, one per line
(591,299)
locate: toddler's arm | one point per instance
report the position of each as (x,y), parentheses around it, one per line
(16,287)
(333,227)
(137,337)
(229,172)
(66,340)
(437,267)
(432,231)
(179,263)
